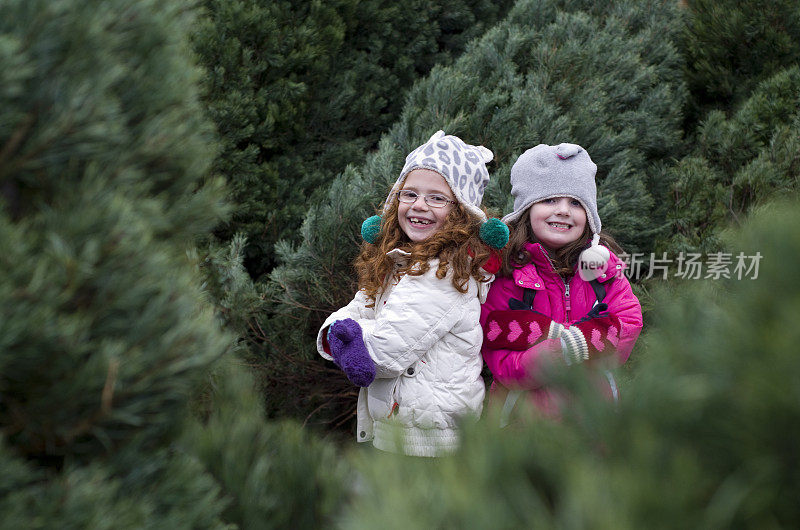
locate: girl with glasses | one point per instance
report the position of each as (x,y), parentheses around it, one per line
(410,337)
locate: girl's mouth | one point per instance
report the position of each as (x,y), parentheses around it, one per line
(419,221)
(560,226)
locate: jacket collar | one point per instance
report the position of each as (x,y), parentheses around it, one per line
(542,266)
(540,258)
(399,256)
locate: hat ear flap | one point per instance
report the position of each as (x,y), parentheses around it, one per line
(371,229)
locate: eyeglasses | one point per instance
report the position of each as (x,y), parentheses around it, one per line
(433,200)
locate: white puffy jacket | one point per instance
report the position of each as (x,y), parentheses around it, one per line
(425,338)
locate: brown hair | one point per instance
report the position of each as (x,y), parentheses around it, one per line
(457,245)
(564,260)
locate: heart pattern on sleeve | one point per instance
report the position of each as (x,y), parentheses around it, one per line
(515,329)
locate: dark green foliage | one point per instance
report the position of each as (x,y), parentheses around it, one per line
(230,288)
(127,122)
(273,475)
(605,77)
(743,118)
(737,162)
(720,384)
(120,330)
(732,45)
(105,332)
(168,490)
(298,90)
(498,479)
(104,155)
(705,434)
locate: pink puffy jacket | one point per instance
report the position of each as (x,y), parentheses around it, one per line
(564,303)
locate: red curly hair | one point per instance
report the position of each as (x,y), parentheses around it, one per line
(457,245)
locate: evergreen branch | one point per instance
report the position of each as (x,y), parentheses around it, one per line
(14,142)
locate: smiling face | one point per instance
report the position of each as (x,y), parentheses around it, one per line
(558,221)
(418,220)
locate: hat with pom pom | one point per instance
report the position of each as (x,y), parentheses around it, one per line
(493,232)
(563,170)
(463,167)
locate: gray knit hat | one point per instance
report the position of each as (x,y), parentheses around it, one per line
(563,170)
(463,167)
(547,171)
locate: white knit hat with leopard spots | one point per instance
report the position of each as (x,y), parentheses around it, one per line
(463,167)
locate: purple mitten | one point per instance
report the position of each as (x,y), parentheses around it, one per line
(350,353)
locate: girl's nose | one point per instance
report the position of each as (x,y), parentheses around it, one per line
(420,203)
(562,206)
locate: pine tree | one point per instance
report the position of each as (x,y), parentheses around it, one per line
(732,46)
(606,77)
(103,333)
(742,120)
(272,475)
(298,90)
(106,337)
(736,163)
(102,158)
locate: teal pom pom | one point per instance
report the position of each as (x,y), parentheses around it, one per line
(494,233)
(371,227)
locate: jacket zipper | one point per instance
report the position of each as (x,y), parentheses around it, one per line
(566,286)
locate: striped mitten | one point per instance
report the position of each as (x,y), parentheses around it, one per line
(595,334)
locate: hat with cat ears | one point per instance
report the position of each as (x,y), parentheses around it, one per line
(548,171)
(563,170)
(463,167)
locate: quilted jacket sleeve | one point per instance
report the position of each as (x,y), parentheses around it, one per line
(514,368)
(357,310)
(624,306)
(418,312)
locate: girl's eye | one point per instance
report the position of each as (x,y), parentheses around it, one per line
(549,201)
(576,202)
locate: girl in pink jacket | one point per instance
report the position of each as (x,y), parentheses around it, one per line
(561,292)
